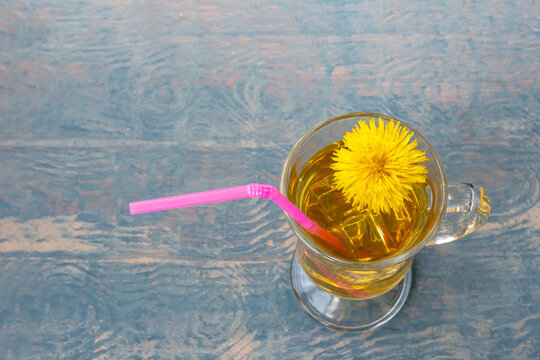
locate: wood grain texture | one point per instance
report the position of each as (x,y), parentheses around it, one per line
(104,102)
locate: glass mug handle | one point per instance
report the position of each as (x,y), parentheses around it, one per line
(468,207)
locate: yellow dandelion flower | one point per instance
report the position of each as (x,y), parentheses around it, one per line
(377,166)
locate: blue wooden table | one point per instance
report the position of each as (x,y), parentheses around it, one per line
(103,102)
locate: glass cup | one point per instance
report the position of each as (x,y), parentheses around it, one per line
(353,295)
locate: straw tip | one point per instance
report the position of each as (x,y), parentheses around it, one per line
(132,209)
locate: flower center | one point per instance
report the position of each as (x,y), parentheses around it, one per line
(379,164)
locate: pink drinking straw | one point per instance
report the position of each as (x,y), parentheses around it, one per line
(233,193)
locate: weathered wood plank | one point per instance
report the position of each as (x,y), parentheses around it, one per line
(75,201)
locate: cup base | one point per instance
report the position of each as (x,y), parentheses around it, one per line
(346,314)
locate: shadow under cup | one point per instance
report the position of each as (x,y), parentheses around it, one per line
(354,280)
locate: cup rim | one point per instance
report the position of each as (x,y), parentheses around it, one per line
(392,260)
